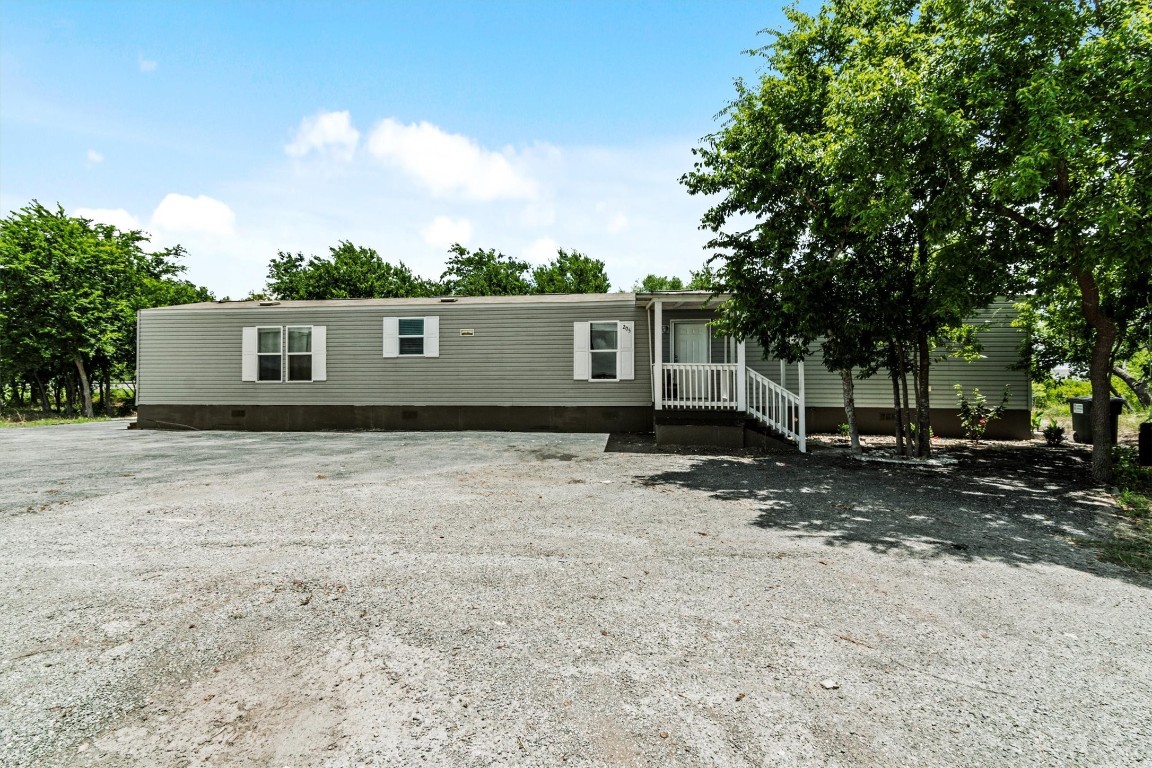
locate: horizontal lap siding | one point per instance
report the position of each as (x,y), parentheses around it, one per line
(520,354)
(1001,351)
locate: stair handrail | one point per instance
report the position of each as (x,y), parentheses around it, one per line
(775,406)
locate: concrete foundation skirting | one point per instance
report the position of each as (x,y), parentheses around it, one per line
(1013,425)
(717,435)
(305,418)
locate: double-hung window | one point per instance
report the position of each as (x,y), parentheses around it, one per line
(299,352)
(279,353)
(604,341)
(269,358)
(603,350)
(411,335)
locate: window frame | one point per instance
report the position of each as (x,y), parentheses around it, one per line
(288,354)
(280,354)
(401,336)
(615,351)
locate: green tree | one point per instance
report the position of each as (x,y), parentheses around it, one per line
(853,179)
(1058,333)
(705,279)
(69,292)
(1060,92)
(652,283)
(348,272)
(571,272)
(484,273)
(67,283)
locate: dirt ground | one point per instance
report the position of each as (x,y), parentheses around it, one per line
(476,599)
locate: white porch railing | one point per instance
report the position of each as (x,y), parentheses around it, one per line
(699,385)
(777,407)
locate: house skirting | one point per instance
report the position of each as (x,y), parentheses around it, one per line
(1013,425)
(305,418)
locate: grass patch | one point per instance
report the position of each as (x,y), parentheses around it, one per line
(1131,542)
(18,420)
(1132,549)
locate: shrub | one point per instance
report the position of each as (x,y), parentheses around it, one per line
(1053,433)
(975,413)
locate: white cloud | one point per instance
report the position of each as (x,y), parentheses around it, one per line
(117,217)
(541,251)
(302,206)
(146,65)
(537,215)
(95,157)
(181,214)
(618,223)
(325,132)
(449,163)
(443,232)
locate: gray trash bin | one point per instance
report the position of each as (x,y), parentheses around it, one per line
(1082,417)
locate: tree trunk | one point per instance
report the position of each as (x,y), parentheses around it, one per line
(85,387)
(907,412)
(897,412)
(923,406)
(55,395)
(1139,388)
(69,396)
(1100,366)
(106,389)
(850,407)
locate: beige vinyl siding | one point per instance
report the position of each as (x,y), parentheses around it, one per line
(1001,343)
(520,354)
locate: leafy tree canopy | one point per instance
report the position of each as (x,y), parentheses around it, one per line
(652,283)
(484,273)
(69,292)
(571,272)
(348,272)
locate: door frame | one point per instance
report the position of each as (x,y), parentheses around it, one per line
(707,334)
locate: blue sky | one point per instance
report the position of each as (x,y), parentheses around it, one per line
(242,128)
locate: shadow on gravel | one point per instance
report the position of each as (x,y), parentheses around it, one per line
(1021,505)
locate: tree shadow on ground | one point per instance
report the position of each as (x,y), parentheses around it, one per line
(1020,505)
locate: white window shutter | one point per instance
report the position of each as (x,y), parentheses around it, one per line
(581,363)
(319,353)
(432,336)
(248,364)
(391,337)
(627,354)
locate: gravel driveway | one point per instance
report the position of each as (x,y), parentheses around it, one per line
(476,599)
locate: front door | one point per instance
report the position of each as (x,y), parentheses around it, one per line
(690,343)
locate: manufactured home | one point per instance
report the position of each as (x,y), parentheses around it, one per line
(619,362)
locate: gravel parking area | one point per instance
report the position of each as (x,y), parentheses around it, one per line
(477,599)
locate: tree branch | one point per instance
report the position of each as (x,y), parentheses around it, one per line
(1030,224)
